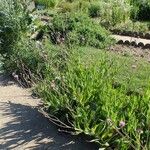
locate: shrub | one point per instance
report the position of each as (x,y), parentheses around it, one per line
(114,12)
(74,28)
(81,93)
(141,9)
(13,22)
(133,26)
(144,11)
(94,10)
(75,6)
(66,7)
(47,3)
(32,60)
(84,97)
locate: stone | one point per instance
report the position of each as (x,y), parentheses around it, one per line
(147,35)
(127,42)
(140,44)
(45,18)
(31,6)
(10,83)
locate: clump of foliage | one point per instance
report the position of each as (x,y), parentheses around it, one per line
(114,12)
(85,97)
(94,10)
(32,61)
(142,9)
(13,21)
(77,29)
(47,3)
(133,27)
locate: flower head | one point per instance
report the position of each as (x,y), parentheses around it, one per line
(122,124)
(16,77)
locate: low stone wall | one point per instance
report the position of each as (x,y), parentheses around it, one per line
(132,41)
(130,33)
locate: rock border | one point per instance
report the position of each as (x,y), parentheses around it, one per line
(130,33)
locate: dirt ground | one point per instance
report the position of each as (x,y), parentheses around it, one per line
(131,51)
(22,127)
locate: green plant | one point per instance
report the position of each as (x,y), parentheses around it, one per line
(13,22)
(77,29)
(114,12)
(48,3)
(94,10)
(32,60)
(90,102)
(141,9)
(132,26)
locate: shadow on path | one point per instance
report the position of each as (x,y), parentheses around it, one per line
(26,128)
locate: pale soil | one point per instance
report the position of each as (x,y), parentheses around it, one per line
(131,39)
(22,127)
(129,50)
(137,53)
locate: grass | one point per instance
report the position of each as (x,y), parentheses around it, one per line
(101,96)
(128,67)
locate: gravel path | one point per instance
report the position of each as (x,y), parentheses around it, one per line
(22,127)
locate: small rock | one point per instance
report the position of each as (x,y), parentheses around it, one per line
(10,83)
(134,66)
(37,35)
(45,18)
(31,6)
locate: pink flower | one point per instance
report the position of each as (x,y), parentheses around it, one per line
(13,74)
(16,77)
(122,124)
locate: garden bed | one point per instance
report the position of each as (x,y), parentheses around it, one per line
(131,51)
(84,88)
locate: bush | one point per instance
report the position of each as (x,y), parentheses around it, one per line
(13,22)
(47,3)
(74,28)
(94,10)
(84,97)
(144,12)
(32,61)
(74,6)
(114,12)
(133,26)
(141,9)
